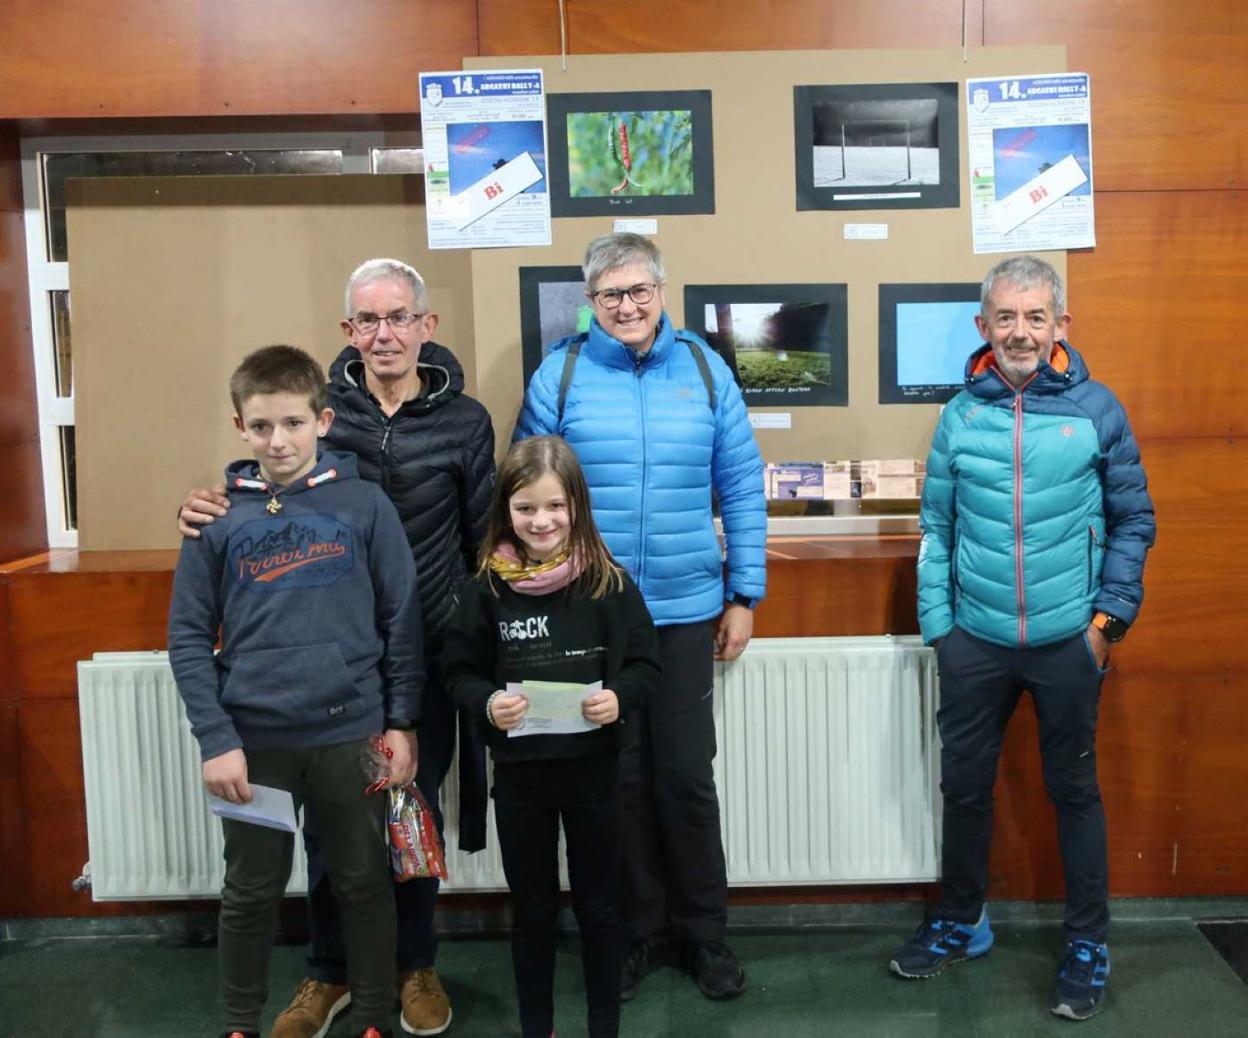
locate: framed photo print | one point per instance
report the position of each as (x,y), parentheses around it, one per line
(787,345)
(927,332)
(636,153)
(552,305)
(876,146)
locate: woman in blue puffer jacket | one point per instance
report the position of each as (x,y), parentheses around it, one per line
(661,430)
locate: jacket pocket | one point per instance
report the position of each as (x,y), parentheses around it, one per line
(278,688)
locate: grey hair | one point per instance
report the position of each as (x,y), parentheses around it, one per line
(387,270)
(613,251)
(1025,272)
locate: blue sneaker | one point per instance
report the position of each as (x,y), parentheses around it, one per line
(1080,990)
(939,942)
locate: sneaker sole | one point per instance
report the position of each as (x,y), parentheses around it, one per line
(334,1010)
(1067,1013)
(428,1030)
(898,971)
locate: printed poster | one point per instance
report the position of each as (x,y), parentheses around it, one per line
(1030,146)
(484,136)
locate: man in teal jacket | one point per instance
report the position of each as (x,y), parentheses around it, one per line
(1036,522)
(660,427)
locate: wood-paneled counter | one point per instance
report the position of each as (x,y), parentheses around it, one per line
(1170,760)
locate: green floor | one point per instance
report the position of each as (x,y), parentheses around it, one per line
(1167,980)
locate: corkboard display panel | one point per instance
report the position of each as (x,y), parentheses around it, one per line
(175,279)
(756,235)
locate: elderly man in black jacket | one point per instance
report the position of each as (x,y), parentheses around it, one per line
(399,405)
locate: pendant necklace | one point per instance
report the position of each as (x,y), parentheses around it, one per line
(274,506)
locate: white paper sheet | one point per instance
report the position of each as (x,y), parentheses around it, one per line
(270,807)
(554,707)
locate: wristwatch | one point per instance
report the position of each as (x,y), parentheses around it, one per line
(736,598)
(1111,627)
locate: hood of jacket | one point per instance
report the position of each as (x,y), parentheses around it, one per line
(440,371)
(1064,368)
(243,476)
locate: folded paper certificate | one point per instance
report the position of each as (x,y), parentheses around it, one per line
(272,808)
(554,707)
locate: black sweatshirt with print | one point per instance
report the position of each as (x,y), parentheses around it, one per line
(499,635)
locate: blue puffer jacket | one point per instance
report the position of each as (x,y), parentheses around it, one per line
(1035,510)
(652,451)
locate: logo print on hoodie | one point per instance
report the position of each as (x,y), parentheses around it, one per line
(523,630)
(280,554)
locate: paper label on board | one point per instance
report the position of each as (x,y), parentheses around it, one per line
(771,420)
(866,231)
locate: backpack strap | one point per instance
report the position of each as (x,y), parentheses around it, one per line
(574,351)
(704,369)
(569,365)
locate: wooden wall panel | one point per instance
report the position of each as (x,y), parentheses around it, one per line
(1195,610)
(23,528)
(1167,83)
(1158,308)
(228,57)
(532,26)
(1168,753)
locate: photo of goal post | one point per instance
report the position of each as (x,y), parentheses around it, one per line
(889,139)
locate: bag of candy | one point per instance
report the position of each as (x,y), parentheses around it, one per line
(415,850)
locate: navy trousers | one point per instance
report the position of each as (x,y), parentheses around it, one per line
(980,685)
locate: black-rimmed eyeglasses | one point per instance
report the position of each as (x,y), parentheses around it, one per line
(611,298)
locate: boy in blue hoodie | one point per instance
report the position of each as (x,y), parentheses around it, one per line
(311,583)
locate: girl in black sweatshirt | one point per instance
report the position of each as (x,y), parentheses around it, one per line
(549,604)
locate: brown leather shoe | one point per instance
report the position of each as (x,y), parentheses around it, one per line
(426,1009)
(312,1010)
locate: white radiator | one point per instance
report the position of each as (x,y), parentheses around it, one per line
(827,773)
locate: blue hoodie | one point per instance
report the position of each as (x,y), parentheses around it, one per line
(318,612)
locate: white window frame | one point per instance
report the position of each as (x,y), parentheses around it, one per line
(45,276)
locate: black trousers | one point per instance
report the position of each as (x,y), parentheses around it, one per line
(257,867)
(674,871)
(529,801)
(980,685)
(416,946)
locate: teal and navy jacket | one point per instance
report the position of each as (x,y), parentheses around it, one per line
(653,450)
(1035,510)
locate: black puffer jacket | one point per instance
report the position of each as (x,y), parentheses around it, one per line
(434,458)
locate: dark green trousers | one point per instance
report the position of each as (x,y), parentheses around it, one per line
(257,869)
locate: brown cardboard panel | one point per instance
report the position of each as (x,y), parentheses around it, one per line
(756,235)
(176,279)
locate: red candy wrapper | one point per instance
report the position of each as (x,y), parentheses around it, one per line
(415,850)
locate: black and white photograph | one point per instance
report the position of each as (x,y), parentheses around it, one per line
(927,332)
(787,345)
(631,153)
(553,305)
(876,146)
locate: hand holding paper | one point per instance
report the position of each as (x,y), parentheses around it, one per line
(601,708)
(226,777)
(553,707)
